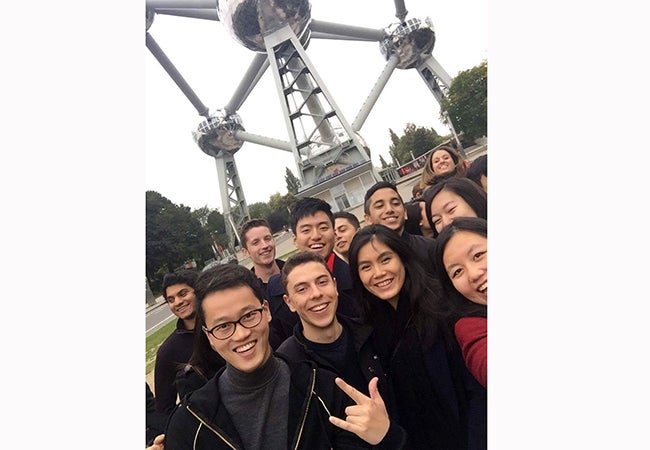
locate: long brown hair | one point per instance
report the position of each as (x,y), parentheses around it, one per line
(460,170)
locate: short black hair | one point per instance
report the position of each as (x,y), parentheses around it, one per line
(374,188)
(308,206)
(184,276)
(349,217)
(222,277)
(477,168)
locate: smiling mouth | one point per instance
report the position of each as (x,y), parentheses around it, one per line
(319,308)
(245,347)
(385,283)
(316,246)
(483,288)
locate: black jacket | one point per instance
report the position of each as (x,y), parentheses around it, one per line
(362,354)
(170,357)
(202,422)
(423,247)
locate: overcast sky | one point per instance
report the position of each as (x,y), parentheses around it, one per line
(212,63)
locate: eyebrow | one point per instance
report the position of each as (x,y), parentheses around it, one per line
(242,311)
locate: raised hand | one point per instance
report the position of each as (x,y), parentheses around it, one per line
(367,419)
(158,443)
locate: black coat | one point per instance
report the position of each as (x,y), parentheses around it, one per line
(202,422)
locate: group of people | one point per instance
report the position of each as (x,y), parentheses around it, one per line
(370,336)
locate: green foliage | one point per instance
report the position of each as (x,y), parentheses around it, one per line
(466,102)
(173,236)
(293,182)
(154,341)
(259,210)
(280,206)
(383,162)
(216,226)
(414,142)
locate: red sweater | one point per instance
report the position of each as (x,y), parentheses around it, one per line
(471,334)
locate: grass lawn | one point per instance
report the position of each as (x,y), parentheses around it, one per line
(154,341)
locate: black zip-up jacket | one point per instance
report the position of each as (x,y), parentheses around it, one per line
(202,422)
(295,349)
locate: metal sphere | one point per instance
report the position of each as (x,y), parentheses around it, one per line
(412,42)
(248,21)
(217,133)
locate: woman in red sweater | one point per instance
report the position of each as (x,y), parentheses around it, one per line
(461,264)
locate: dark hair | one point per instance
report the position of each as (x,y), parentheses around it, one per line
(184,276)
(298,260)
(413,217)
(469,191)
(354,221)
(477,169)
(220,278)
(253,223)
(460,306)
(421,289)
(374,188)
(309,206)
(417,189)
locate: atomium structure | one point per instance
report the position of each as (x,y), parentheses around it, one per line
(332,158)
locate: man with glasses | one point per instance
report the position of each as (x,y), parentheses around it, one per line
(178,290)
(258,400)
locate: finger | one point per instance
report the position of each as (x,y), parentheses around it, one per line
(159,439)
(373,390)
(344,425)
(354,394)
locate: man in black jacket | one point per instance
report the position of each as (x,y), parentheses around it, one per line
(259,400)
(332,341)
(178,290)
(312,223)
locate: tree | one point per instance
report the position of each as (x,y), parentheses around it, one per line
(293,183)
(383,162)
(280,206)
(259,210)
(466,102)
(173,236)
(414,142)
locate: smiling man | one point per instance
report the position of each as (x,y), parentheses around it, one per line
(178,290)
(312,223)
(384,206)
(346,226)
(258,400)
(258,244)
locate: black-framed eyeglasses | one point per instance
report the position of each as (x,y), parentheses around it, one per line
(225,330)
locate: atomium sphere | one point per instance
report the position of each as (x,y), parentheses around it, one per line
(217,133)
(248,21)
(411,42)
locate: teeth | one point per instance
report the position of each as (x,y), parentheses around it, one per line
(319,308)
(482,288)
(243,348)
(316,246)
(384,283)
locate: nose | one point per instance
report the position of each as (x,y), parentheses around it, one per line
(240,333)
(476,271)
(315,234)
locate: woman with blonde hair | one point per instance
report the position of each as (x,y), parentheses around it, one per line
(442,163)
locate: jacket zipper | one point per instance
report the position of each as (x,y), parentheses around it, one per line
(304,417)
(210,428)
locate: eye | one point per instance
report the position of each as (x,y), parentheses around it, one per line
(364,267)
(323,282)
(324,228)
(299,289)
(456,273)
(385,260)
(221,326)
(478,255)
